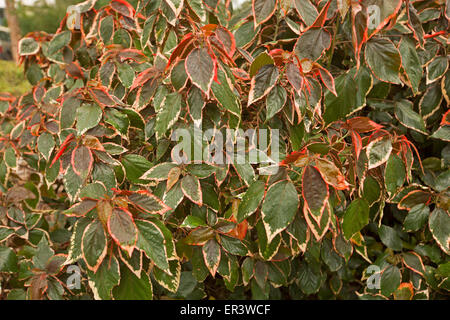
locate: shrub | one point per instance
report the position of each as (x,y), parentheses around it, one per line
(356,206)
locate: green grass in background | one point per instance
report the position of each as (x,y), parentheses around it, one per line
(12,79)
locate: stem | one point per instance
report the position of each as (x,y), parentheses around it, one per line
(278,22)
(333,44)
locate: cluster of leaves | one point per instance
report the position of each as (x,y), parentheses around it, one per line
(361,105)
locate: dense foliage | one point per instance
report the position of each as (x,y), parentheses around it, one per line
(357,209)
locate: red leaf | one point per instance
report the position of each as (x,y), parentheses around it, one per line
(294,76)
(322,17)
(227,39)
(294,155)
(131,54)
(446,119)
(187,39)
(362,125)
(82,161)
(122,229)
(327,80)
(123,7)
(315,192)
(74,70)
(357,143)
(102,97)
(63,147)
(147,202)
(143,77)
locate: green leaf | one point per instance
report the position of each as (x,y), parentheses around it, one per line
(193,222)
(59,41)
(436,69)
(199,8)
(411,63)
(80,209)
(251,200)
(431,101)
(356,217)
(443,133)
(135,166)
(201,170)
(174,196)
(28,47)
(378,152)
(72,183)
(312,44)
(275,101)
(211,255)
(248,270)
(408,117)
(178,75)
(8,260)
(416,218)
(390,238)
(191,188)
(46,144)
(106,28)
(262,83)
(88,116)
(307,11)
(200,68)
(94,245)
(245,172)
(168,114)
(263,10)
(5,232)
(261,60)
(105,279)
(309,280)
(371,190)
(169,280)
(225,95)
(390,280)
(104,174)
(118,120)
(233,246)
(133,288)
(75,252)
(10,157)
(279,207)
(395,174)
(245,34)
(196,103)
(413,261)
(151,240)
(439,224)
(126,74)
(383,59)
(69,112)
(159,172)
(333,260)
(337,107)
